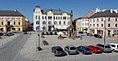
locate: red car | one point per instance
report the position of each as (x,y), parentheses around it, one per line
(95,49)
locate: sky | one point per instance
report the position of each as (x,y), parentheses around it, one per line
(79,7)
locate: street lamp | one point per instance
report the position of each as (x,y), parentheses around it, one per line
(104,32)
(39,35)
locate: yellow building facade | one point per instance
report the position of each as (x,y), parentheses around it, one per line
(12,21)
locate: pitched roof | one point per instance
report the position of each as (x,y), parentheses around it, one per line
(10,13)
(55,11)
(106,13)
(89,14)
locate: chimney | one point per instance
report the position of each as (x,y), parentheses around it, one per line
(98,10)
(116,10)
(104,10)
(37,6)
(111,10)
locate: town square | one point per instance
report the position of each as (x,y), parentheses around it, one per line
(58,30)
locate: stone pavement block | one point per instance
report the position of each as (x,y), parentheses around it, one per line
(8,38)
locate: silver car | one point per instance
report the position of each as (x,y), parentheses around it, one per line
(105,48)
(71,50)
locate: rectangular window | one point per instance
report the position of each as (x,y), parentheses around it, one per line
(97,20)
(55,22)
(64,22)
(116,19)
(93,25)
(8,23)
(101,19)
(97,25)
(49,17)
(18,23)
(18,29)
(64,18)
(108,25)
(39,17)
(2,23)
(42,17)
(37,22)
(116,25)
(101,25)
(54,18)
(36,17)
(59,22)
(14,23)
(108,19)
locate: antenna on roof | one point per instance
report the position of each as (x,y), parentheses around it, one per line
(15,10)
(37,6)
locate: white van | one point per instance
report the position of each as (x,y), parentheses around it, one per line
(114,46)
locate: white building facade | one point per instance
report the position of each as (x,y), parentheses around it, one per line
(82,23)
(50,19)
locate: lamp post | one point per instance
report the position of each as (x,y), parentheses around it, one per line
(104,32)
(39,35)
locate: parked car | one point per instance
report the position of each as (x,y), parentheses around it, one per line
(95,49)
(97,36)
(42,33)
(55,33)
(45,42)
(105,48)
(84,50)
(1,34)
(71,50)
(114,46)
(45,33)
(25,33)
(80,32)
(89,34)
(58,51)
(8,34)
(51,33)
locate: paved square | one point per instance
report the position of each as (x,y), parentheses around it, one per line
(29,51)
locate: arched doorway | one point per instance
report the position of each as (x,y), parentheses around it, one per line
(37,28)
(44,28)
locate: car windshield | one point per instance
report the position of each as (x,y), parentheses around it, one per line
(87,49)
(107,46)
(72,48)
(100,45)
(60,49)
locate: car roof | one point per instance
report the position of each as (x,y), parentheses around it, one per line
(71,46)
(113,43)
(83,46)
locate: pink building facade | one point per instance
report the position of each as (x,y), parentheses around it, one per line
(104,22)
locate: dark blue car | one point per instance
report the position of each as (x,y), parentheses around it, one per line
(84,50)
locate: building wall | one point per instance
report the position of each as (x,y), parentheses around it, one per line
(98,24)
(45,18)
(17,22)
(82,24)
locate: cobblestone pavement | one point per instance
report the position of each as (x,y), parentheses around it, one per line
(30,53)
(6,39)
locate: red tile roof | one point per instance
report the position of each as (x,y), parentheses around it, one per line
(89,14)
